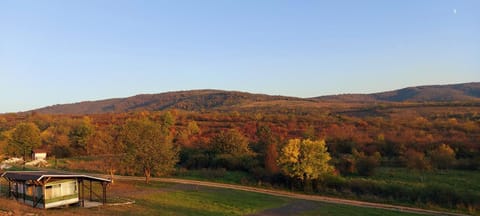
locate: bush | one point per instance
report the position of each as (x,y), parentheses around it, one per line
(346,164)
(468,164)
(440,195)
(334,182)
(366,165)
(197,161)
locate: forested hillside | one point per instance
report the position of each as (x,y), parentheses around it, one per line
(209,100)
(390,129)
(435,93)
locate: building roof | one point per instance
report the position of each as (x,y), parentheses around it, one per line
(39,175)
(39,151)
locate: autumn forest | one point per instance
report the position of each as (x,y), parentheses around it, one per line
(333,147)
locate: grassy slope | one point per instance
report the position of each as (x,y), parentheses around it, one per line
(333,210)
(455,179)
(173,199)
(460,180)
(219,202)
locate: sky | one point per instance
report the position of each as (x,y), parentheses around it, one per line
(55,52)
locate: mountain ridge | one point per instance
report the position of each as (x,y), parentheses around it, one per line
(426,93)
(211,99)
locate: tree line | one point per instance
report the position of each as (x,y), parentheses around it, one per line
(303,151)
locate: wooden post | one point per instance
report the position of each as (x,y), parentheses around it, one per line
(79,188)
(90,190)
(34,200)
(44,190)
(83,194)
(24,183)
(16,191)
(104,186)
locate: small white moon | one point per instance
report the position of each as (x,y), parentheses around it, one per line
(454,11)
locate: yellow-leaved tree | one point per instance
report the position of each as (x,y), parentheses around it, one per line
(305,159)
(443,157)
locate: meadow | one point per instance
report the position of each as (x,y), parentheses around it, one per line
(459,179)
(443,190)
(176,199)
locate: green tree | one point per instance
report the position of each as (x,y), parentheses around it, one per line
(168,121)
(4,142)
(230,150)
(366,164)
(230,142)
(149,148)
(305,159)
(188,136)
(346,164)
(103,143)
(80,134)
(24,138)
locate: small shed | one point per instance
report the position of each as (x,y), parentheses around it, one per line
(39,154)
(44,189)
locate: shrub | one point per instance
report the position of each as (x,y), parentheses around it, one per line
(439,195)
(337,183)
(346,164)
(366,165)
(197,161)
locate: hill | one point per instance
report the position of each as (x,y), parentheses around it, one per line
(200,100)
(195,100)
(433,93)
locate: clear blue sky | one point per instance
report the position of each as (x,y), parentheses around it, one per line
(55,52)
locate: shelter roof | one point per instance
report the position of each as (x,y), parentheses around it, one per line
(39,175)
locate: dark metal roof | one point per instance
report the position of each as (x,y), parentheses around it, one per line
(39,151)
(39,175)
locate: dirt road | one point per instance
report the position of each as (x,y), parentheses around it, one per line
(294,195)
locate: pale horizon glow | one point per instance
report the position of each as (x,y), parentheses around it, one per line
(57,52)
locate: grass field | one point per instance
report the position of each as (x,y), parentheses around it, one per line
(333,210)
(458,179)
(177,199)
(163,202)
(211,202)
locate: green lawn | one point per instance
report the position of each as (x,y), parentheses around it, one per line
(159,198)
(334,209)
(178,200)
(227,202)
(458,179)
(171,199)
(215,202)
